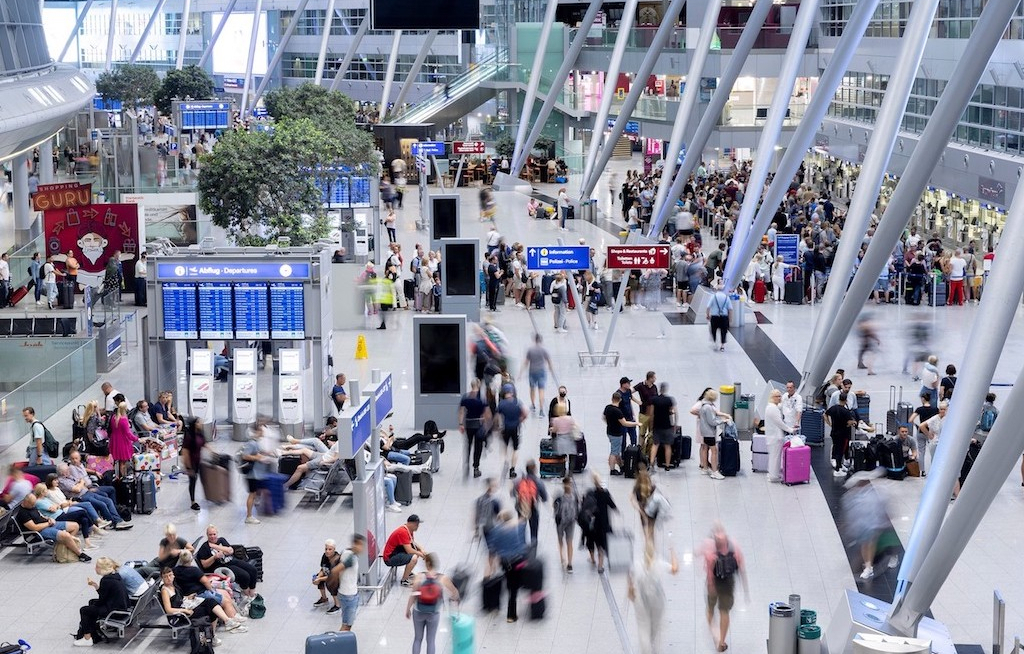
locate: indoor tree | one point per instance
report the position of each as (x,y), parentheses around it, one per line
(189,83)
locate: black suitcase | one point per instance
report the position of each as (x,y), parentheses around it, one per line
(531,575)
(332,642)
(254,555)
(538,605)
(545,283)
(899,412)
(491,595)
(403,488)
(579,462)
(145,493)
(124,489)
(812,426)
(409,287)
(729,457)
(630,461)
(66,295)
(793,293)
(538,300)
(936,292)
(288,464)
(426,484)
(890,454)
(685,446)
(863,456)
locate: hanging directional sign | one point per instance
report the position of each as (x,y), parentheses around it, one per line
(428,148)
(642,257)
(468,147)
(558,257)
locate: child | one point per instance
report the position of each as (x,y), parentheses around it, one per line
(595,301)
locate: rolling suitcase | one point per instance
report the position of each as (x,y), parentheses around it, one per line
(547,447)
(899,412)
(145,493)
(274,485)
(17,295)
(685,446)
(531,574)
(216,482)
(434,448)
(630,461)
(759,452)
(491,595)
(538,605)
(863,456)
(793,291)
(66,295)
(552,467)
(796,464)
(124,490)
(760,290)
(332,642)
(288,463)
(579,462)
(403,488)
(426,484)
(729,457)
(463,629)
(812,426)
(254,555)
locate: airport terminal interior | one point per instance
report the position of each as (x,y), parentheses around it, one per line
(897,122)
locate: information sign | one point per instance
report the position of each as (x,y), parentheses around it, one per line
(641,257)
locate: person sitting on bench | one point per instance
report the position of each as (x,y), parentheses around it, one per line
(60,532)
(315,458)
(401,550)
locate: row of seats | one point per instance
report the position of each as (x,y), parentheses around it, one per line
(38,326)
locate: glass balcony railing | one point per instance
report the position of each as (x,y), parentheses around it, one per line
(640,38)
(487,69)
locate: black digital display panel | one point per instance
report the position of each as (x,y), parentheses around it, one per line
(426,14)
(444,217)
(252,311)
(287,312)
(460,270)
(216,311)
(440,358)
(181,317)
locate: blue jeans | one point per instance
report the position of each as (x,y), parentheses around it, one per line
(563,213)
(389,489)
(103,504)
(349,607)
(37,459)
(88,508)
(394,456)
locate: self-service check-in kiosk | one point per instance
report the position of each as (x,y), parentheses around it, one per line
(243,393)
(288,392)
(200,387)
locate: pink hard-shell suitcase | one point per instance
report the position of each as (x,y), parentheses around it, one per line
(796,464)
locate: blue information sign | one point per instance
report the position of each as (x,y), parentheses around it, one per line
(252,311)
(786,247)
(428,148)
(558,257)
(287,312)
(361,427)
(179,307)
(216,315)
(232,271)
(383,399)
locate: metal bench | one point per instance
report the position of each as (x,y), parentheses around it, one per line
(119,621)
(320,483)
(34,541)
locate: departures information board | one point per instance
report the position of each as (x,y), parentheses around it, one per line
(238,310)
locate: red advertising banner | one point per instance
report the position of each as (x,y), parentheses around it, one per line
(62,196)
(642,257)
(93,235)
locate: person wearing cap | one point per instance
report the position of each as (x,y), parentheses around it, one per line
(400,548)
(626,400)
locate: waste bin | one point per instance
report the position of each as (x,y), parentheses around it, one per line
(808,639)
(781,629)
(726,399)
(743,412)
(588,210)
(738,317)
(808,617)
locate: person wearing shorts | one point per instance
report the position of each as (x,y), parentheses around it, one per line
(566,508)
(661,412)
(615,424)
(512,414)
(537,363)
(723,561)
(255,464)
(347,572)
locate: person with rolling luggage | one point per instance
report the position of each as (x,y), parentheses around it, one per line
(661,412)
(615,424)
(708,420)
(843,421)
(775,430)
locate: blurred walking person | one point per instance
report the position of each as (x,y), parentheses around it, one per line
(723,562)
(647,591)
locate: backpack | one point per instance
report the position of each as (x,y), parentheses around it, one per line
(50,444)
(587,516)
(988,419)
(63,554)
(556,296)
(414,265)
(725,565)
(526,492)
(566,508)
(430,591)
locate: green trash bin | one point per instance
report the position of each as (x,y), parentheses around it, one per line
(808,616)
(808,638)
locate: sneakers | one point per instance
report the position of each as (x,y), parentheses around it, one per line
(407,582)
(476,472)
(868,573)
(252,521)
(716,475)
(234,625)
(511,473)
(838,473)
(320,602)
(333,610)
(615,472)
(394,508)
(122,526)
(83,642)
(894,561)
(195,506)
(85,558)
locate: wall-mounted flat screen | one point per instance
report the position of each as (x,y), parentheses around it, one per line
(216,311)
(252,311)
(287,313)
(181,318)
(440,358)
(425,14)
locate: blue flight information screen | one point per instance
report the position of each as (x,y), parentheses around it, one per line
(181,319)
(252,311)
(216,311)
(360,192)
(287,312)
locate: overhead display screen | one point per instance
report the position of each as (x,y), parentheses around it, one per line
(426,14)
(287,314)
(252,311)
(359,195)
(181,318)
(216,311)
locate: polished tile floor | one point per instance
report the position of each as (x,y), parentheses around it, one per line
(788,534)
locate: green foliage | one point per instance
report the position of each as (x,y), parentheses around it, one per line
(191,82)
(132,84)
(505,146)
(324,107)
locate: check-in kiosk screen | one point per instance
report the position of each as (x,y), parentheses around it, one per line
(440,358)
(245,361)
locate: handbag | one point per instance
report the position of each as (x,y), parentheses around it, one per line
(257,607)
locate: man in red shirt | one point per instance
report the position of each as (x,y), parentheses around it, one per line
(400,549)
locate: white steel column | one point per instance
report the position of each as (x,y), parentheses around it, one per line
(932,559)
(805,19)
(111,30)
(279,53)
(709,119)
(421,56)
(610,83)
(46,173)
(389,78)
(533,84)
(876,160)
(351,53)
(323,43)
(689,99)
(216,33)
(853,33)
(186,13)
(556,87)
(74,31)
(149,27)
(244,104)
(943,121)
(635,90)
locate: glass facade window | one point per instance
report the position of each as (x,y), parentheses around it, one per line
(955,19)
(373,67)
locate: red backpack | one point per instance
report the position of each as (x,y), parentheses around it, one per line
(526,491)
(430,591)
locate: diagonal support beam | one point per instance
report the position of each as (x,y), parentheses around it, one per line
(557,83)
(770,134)
(253,37)
(75,30)
(157,10)
(421,57)
(208,52)
(876,161)
(280,52)
(186,13)
(635,91)
(389,77)
(322,56)
(853,33)
(689,99)
(351,53)
(533,83)
(111,31)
